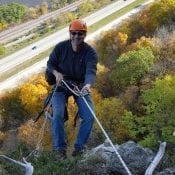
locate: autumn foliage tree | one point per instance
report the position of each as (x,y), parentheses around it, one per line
(12,109)
(32,95)
(165,52)
(141,42)
(32,134)
(110,46)
(85,8)
(159,13)
(44,8)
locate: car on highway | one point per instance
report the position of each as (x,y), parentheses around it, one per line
(34,47)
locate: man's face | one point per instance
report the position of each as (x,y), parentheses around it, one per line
(77,37)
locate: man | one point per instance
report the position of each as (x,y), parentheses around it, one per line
(76,61)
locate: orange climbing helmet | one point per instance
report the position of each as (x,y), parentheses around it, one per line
(78,25)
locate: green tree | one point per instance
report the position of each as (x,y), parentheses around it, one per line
(3,9)
(54,4)
(158,123)
(131,67)
(160,112)
(110,112)
(15,12)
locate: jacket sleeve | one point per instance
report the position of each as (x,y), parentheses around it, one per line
(53,61)
(91,67)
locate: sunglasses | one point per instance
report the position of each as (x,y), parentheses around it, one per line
(77,33)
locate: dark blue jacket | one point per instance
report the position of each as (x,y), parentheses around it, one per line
(79,67)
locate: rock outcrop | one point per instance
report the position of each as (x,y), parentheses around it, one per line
(102,160)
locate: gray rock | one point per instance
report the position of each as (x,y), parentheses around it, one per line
(136,158)
(168,171)
(103,151)
(102,160)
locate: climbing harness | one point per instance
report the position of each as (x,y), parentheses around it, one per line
(82,94)
(47,104)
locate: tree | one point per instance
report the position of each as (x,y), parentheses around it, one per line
(109,112)
(158,122)
(15,12)
(32,13)
(85,8)
(33,93)
(12,109)
(2,49)
(69,17)
(133,28)
(54,4)
(131,67)
(141,42)
(162,36)
(159,13)
(30,133)
(3,9)
(109,46)
(103,84)
(44,8)
(2,26)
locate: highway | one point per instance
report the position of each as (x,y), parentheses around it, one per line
(27,53)
(21,29)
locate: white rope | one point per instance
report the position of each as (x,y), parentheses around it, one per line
(41,134)
(26,165)
(68,87)
(157,159)
(104,132)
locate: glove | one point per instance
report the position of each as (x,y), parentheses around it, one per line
(86,88)
(58,76)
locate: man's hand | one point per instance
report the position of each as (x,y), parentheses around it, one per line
(58,76)
(86,88)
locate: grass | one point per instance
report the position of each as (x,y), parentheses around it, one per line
(115,15)
(24,65)
(91,29)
